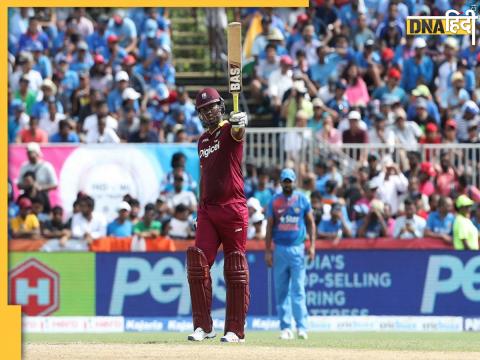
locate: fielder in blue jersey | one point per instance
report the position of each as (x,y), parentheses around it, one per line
(290,218)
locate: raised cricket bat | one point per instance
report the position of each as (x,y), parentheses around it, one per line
(235,61)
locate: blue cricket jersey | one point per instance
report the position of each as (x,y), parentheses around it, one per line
(289,218)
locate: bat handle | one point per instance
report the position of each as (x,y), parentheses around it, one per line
(235,102)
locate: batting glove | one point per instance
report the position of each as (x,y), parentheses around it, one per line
(238,120)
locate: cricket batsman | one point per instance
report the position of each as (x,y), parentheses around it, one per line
(222,219)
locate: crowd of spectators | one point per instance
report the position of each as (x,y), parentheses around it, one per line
(347,70)
(103,76)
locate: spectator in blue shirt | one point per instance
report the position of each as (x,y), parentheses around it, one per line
(68,78)
(97,42)
(42,63)
(263,191)
(115,99)
(440,222)
(158,69)
(339,104)
(121,226)
(17,119)
(336,227)
(470,54)
(82,60)
(391,87)
(114,53)
(31,35)
(325,67)
(65,133)
(418,69)
(124,28)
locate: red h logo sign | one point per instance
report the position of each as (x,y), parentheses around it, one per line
(34,286)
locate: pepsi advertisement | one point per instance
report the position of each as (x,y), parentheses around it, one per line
(408,283)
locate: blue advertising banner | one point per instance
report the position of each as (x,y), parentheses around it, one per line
(394,283)
(405,283)
(155,284)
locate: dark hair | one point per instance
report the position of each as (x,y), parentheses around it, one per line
(134,202)
(149,207)
(176,158)
(57,209)
(31,174)
(408,202)
(36,200)
(101,102)
(270,46)
(180,208)
(88,201)
(316,195)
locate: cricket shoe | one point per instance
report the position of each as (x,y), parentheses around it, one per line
(286,334)
(302,335)
(199,335)
(231,337)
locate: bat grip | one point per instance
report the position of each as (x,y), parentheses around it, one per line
(235,102)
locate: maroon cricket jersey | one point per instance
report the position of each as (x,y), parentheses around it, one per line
(221,167)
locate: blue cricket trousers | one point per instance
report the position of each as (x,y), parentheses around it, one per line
(289,279)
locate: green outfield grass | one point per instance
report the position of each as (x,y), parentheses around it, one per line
(346,340)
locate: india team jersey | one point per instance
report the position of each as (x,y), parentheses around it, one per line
(289,218)
(220,167)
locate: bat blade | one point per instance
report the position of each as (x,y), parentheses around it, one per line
(235,61)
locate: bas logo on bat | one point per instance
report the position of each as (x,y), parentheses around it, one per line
(235,78)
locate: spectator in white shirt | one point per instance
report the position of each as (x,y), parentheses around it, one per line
(391,184)
(103,135)
(49,122)
(90,124)
(380,133)
(280,81)
(406,132)
(88,225)
(179,195)
(410,225)
(44,171)
(180,227)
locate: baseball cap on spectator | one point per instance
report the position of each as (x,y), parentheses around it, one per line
(372,156)
(254,203)
(419,43)
(288,174)
(427,168)
(472,125)
(317,102)
(354,115)
(387,54)
(431,127)
(275,35)
(341,85)
(451,42)
(369,43)
(25,203)
(457,75)
(25,78)
(378,205)
(103,19)
(470,107)
(423,10)
(112,38)
(421,103)
(161,92)
(287,60)
(47,83)
(129,60)
(302,18)
(463,201)
(151,28)
(121,76)
(82,45)
(25,57)
(124,206)
(451,123)
(61,58)
(130,94)
(394,73)
(421,90)
(99,59)
(34,147)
